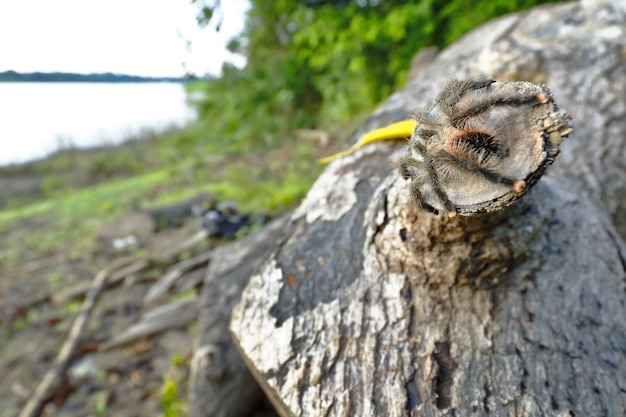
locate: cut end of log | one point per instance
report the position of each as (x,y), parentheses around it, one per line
(483,145)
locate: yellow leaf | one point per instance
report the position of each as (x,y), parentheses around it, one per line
(395,131)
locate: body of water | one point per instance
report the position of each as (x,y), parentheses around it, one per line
(39,118)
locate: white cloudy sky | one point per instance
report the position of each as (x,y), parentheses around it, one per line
(140,37)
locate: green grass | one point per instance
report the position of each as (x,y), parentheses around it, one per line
(193,86)
(67,221)
(264,195)
(100,201)
(67,217)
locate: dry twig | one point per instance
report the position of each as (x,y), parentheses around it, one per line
(33,406)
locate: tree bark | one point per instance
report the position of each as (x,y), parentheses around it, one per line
(370,306)
(220,385)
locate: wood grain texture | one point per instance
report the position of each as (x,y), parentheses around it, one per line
(370,307)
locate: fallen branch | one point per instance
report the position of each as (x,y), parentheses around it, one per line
(139,264)
(174,273)
(34,405)
(187,244)
(78,291)
(110,276)
(178,313)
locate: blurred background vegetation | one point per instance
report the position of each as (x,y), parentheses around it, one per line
(324,64)
(315,69)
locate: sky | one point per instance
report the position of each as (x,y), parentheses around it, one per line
(154,38)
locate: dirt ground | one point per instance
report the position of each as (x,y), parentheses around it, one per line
(146,376)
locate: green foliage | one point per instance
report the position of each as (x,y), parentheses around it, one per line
(72,307)
(281,182)
(320,66)
(169,400)
(172,398)
(252,109)
(100,406)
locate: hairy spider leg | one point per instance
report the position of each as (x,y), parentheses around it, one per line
(478,84)
(482,105)
(475,167)
(456,89)
(419,148)
(407,161)
(427,126)
(417,197)
(403,165)
(429,165)
(426,133)
(429,162)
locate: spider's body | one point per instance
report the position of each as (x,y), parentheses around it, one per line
(481,140)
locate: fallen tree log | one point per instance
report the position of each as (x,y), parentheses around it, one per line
(219,384)
(370,306)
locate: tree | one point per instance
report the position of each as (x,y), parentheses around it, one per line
(319,64)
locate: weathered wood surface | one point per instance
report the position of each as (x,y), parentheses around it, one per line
(370,307)
(220,383)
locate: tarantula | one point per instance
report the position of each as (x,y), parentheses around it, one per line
(478,142)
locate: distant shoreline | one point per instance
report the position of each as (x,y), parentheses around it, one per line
(107,77)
